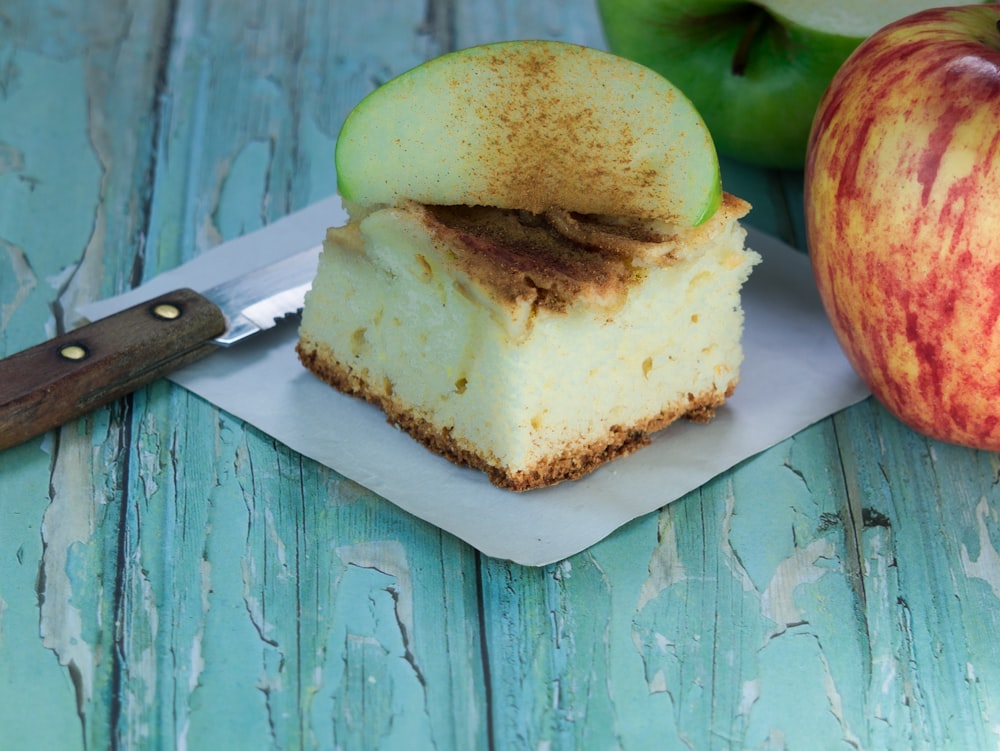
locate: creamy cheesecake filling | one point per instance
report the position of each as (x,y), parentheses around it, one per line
(500,342)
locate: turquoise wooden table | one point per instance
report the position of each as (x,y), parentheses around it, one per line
(172,578)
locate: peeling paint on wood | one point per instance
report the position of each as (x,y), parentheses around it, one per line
(171,578)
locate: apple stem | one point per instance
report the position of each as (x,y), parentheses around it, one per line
(741,57)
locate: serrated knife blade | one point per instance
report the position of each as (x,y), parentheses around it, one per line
(256,300)
(63,378)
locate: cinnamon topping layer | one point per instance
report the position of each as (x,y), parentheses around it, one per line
(556,258)
(520,255)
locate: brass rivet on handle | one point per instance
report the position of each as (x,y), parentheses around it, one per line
(167,311)
(73,352)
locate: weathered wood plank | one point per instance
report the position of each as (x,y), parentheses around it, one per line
(931,551)
(68,193)
(37,695)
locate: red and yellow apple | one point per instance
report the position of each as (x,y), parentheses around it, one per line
(902,210)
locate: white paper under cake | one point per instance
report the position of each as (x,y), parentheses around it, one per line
(794,374)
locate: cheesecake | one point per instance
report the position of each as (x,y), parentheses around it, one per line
(534,348)
(540,269)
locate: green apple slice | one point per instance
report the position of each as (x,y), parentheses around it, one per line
(532,125)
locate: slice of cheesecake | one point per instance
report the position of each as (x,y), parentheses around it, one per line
(532,347)
(540,268)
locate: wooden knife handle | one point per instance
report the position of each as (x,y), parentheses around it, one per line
(48,385)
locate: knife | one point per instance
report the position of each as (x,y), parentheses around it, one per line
(54,382)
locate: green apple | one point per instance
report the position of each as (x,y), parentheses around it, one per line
(755,70)
(532,125)
(902,208)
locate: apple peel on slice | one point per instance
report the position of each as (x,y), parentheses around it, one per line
(534,126)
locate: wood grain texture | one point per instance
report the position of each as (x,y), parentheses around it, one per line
(171,578)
